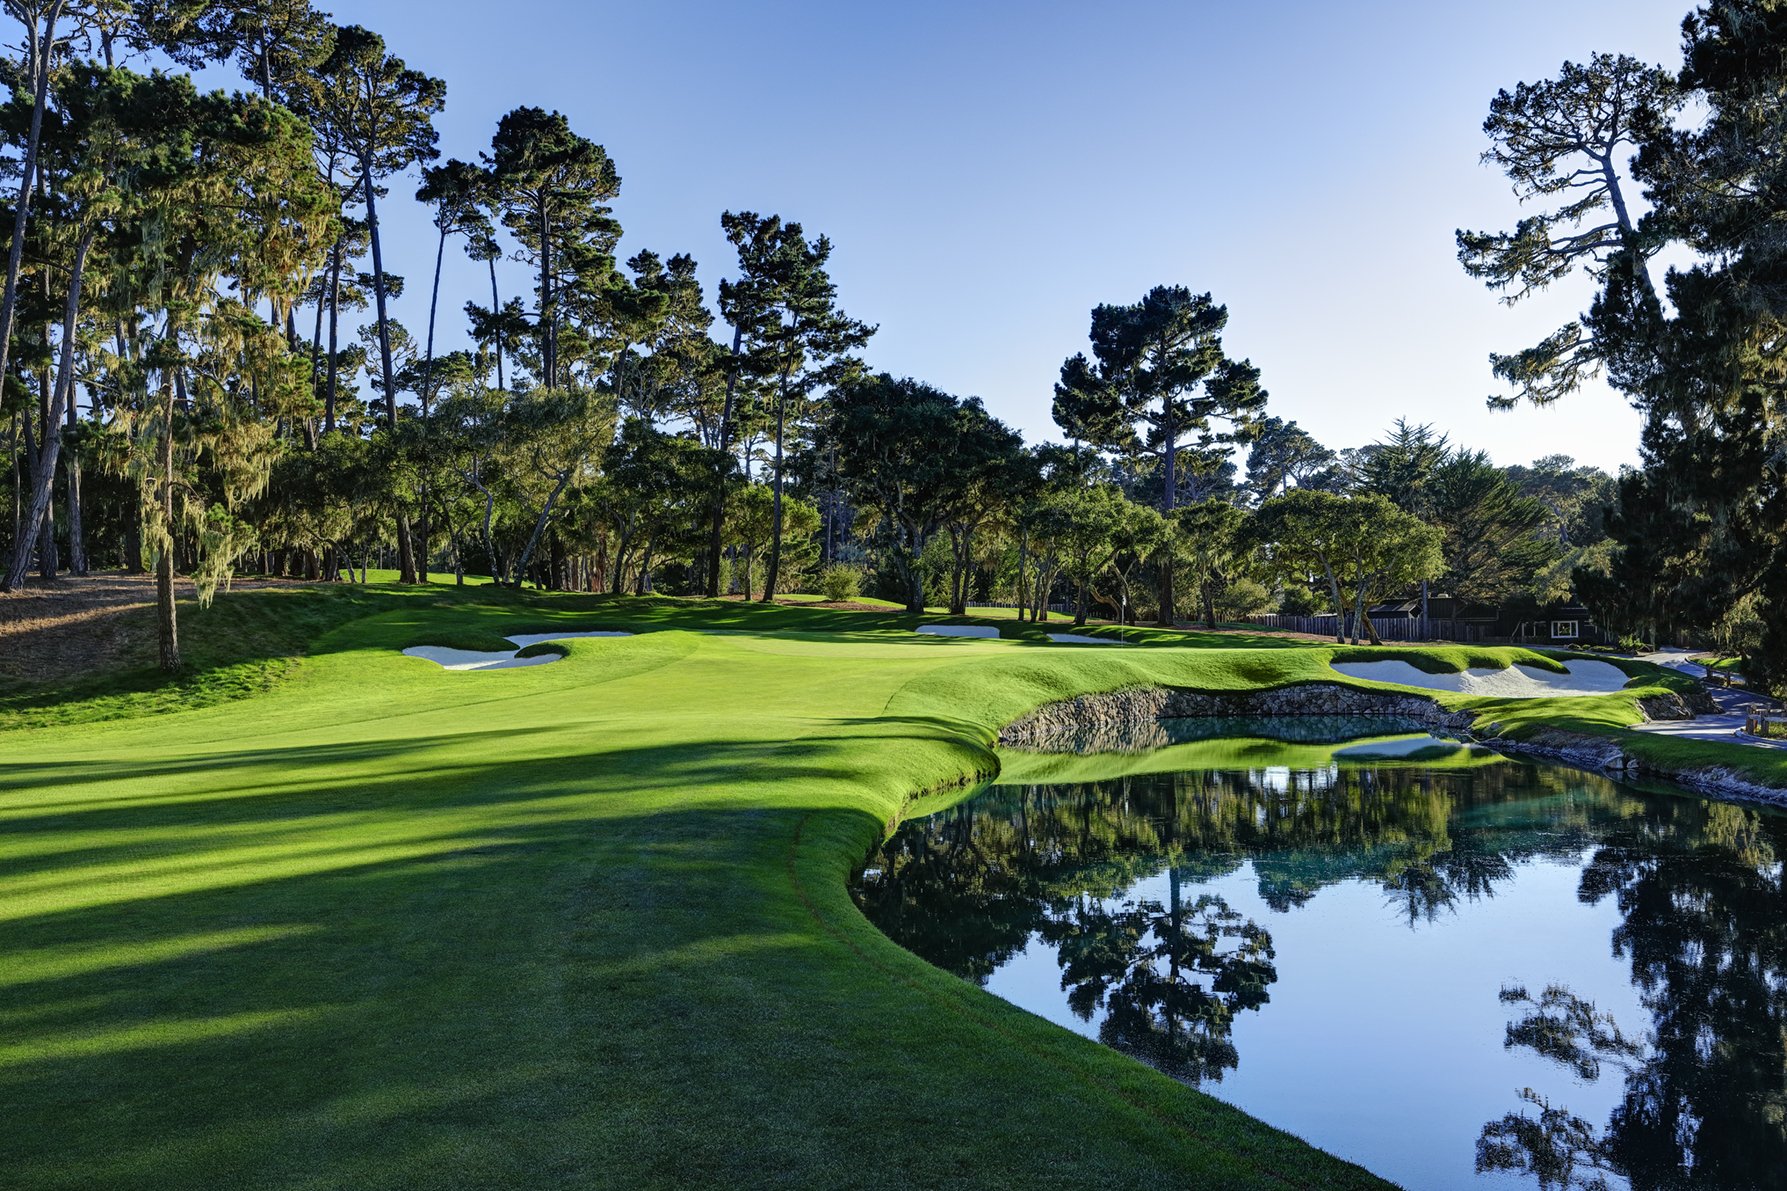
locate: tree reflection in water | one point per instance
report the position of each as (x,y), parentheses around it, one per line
(1698,885)
(1703,907)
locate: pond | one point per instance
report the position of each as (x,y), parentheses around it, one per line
(1452,968)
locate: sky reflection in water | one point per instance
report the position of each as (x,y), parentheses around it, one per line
(1455,970)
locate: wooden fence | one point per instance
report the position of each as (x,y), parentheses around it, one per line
(1389,628)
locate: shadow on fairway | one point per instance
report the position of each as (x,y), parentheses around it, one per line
(306,975)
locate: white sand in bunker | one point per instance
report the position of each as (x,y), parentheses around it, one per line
(1516,682)
(1082,639)
(958,630)
(477,659)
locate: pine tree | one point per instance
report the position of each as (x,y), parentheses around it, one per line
(384,112)
(790,333)
(1159,382)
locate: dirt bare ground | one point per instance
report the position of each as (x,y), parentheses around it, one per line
(68,626)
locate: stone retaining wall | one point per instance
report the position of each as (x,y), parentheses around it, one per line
(1129,721)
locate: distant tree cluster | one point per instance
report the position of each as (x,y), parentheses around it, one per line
(202,375)
(1618,162)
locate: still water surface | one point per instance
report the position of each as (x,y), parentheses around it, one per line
(1454,969)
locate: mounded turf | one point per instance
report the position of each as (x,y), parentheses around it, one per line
(356,921)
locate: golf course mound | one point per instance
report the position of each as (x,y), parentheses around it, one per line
(957,630)
(1081,639)
(1581,677)
(500,659)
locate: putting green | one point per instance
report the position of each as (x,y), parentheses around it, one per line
(584,923)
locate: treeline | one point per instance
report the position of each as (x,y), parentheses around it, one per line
(202,374)
(1616,162)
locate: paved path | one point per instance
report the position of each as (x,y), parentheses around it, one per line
(1726,728)
(1734,707)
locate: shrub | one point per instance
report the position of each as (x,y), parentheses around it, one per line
(1301,601)
(839,584)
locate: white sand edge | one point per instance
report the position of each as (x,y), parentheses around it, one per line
(1517,682)
(474,659)
(477,659)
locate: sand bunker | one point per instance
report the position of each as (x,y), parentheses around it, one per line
(1517,682)
(1080,639)
(958,630)
(477,659)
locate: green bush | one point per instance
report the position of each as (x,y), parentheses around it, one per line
(1301,601)
(840,584)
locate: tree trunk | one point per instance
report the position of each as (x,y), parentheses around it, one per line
(48,560)
(495,307)
(334,300)
(716,539)
(43,474)
(1164,588)
(434,301)
(555,553)
(958,580)
(40,89)
(1023,592)
(18,480)
(775,531)
(77,542)
(133,536)
(406,559)
(1364,623)
(548,313)
(533,540)
(621,547)
(1169,432)
(1339,606)
(166,620)
(913,566)
(426,395)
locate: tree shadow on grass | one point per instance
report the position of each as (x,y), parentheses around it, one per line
(431,968)
(455,950)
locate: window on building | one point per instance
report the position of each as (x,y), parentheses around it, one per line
(1564,630)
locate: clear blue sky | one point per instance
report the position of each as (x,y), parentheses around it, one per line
(989,172)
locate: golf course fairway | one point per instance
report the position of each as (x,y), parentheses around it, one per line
(378,924)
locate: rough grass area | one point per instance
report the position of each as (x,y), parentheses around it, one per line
(319,915)
(245,644)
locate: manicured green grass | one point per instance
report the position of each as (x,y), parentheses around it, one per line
(356,921)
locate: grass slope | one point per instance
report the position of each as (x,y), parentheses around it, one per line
(355,921)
